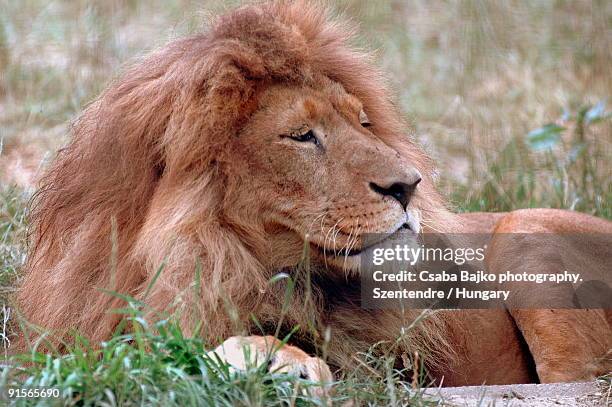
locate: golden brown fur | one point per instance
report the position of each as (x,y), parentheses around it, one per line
(171,163)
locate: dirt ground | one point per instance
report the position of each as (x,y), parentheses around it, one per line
(587,394)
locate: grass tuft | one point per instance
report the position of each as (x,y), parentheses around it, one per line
(156,365)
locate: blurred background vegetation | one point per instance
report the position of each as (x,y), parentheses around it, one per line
(474,78)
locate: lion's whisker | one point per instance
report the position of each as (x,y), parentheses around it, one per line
(331,231)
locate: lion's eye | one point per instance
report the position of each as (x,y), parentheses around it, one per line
(309,136)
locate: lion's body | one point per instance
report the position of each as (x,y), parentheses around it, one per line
(232,150)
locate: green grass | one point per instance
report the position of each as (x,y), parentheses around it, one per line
(156,365)
(505,97)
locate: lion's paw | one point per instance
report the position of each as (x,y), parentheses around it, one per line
(240,352)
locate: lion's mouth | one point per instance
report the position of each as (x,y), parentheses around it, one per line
(405,229)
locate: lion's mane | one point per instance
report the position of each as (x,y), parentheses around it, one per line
(140,184)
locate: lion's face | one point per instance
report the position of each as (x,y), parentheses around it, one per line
(310,162)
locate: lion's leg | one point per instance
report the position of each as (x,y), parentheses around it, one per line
(566,345)
(458,347)
(241,352)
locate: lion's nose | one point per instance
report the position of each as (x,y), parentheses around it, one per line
(402,191)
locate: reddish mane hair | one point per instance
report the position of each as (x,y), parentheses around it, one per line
(143,170)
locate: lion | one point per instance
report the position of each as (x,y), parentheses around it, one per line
(234,152)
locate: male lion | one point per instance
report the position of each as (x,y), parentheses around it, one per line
(236,148)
